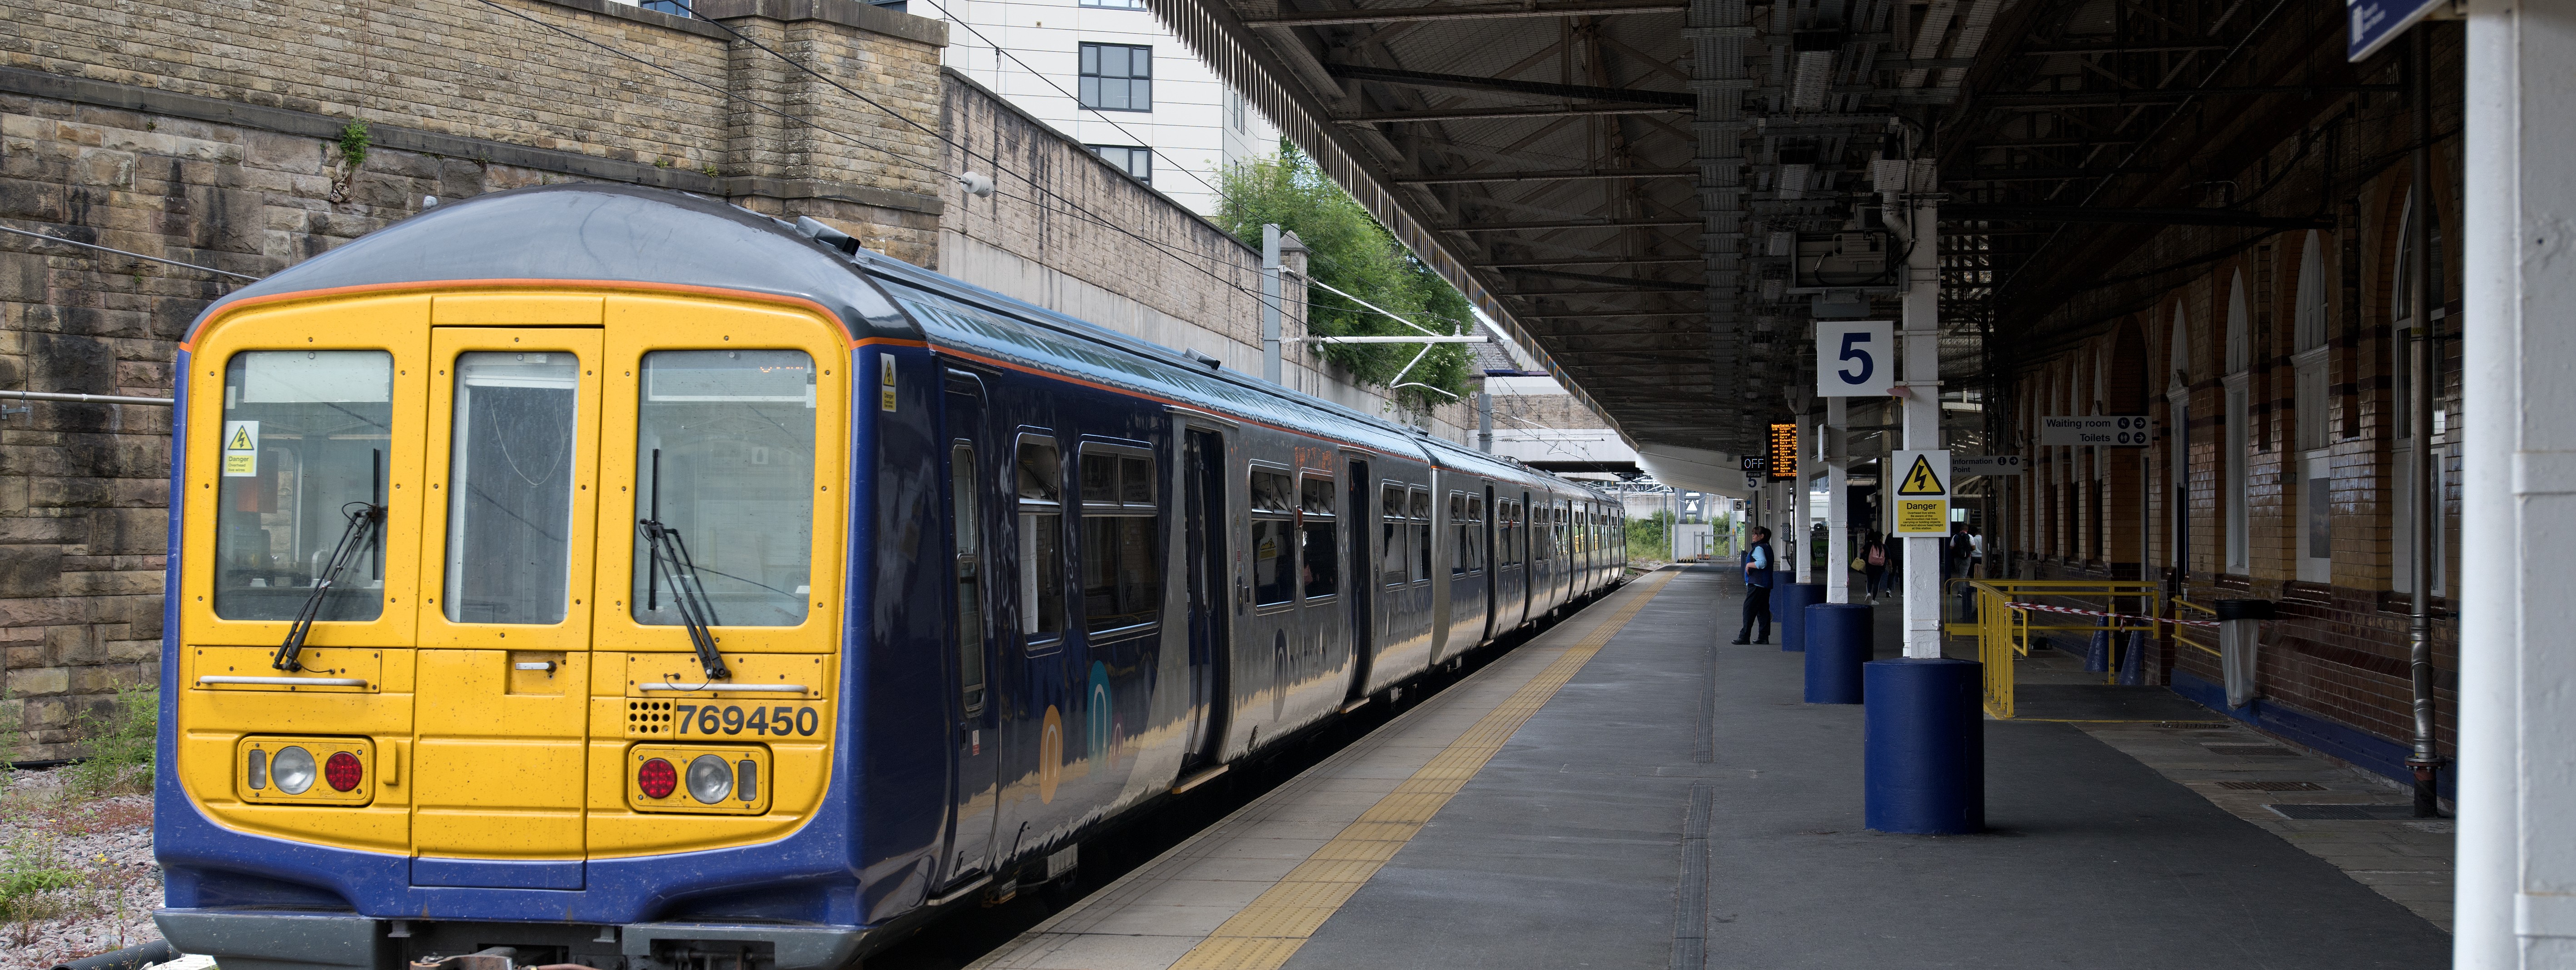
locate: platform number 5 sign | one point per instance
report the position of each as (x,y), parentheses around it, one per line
(1855,358)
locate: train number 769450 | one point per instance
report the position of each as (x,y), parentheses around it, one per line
(780,721)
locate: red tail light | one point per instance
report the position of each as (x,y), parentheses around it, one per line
(343,771)
(657,778)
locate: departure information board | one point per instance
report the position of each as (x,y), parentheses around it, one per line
(1784,452)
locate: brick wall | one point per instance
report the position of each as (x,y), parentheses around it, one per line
(206,131)
(2339,649)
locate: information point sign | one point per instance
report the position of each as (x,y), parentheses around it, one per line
(1922,492)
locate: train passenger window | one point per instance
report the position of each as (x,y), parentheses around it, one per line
(969,574)
(724,445)
(1122,571)
(1507,533)
(1040,478)
(509,496)
(1421,499)
(1322,564)
(1475,533)
(1274,541)
(1459,557)
(304,440)
(1392,534)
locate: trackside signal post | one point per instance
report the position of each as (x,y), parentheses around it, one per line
(1924,734)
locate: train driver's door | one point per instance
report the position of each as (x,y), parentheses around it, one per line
(973,469)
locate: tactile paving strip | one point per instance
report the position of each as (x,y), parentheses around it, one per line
(1266,933)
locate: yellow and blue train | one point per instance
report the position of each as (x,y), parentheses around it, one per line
(637,581)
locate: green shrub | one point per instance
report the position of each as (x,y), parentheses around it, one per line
(120,743)
(31,868)
(1347,249)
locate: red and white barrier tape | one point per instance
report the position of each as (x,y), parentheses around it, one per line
(2115,616)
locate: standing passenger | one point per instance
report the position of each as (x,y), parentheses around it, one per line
(1757,588)
(1873,559)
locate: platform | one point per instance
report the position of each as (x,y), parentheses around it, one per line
(1625,790)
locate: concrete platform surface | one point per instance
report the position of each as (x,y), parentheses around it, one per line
(1639,794)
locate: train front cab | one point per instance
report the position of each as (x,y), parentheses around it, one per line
(499,711)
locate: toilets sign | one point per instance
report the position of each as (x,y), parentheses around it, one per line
(2100,430)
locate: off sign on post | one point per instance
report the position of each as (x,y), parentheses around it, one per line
(1855,358)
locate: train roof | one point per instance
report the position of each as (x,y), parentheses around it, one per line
(606,233)
(592,233)
(957,314)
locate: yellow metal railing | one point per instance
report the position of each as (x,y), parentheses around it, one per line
(2210,649)
(2004,623)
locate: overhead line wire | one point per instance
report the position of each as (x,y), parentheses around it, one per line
(1074,207)
(111,249)
(1059,89)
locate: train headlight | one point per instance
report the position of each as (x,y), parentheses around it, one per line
(710,779)
(292,769)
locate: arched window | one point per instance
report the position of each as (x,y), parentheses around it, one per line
(2240,365)
(2178,360)
(2314,499)
(2178,433)
(2405,443)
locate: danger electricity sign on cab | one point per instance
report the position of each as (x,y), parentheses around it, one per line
(1922,491)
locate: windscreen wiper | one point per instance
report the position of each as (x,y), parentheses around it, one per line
(671,560)
(359,536)
(688,595)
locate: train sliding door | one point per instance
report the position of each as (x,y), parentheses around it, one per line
(1203,518)
(1357,496)
(499,782)
(977,740)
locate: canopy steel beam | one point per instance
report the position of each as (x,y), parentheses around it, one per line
(1596,261)
(1543,89)
(1575,224)
(2122,99)
(1972,212)
(1445,12)
(1569,175)
(1489,114)
(1624,281)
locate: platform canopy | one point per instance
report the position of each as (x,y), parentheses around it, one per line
(1627,184)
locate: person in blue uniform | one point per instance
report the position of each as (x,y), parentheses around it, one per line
(1757,588)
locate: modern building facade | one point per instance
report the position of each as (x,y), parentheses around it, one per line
(1108,74)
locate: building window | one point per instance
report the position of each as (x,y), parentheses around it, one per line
(1115,4)
(1117,77)
(1138,163)
(1234,111)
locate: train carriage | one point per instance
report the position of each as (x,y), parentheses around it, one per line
(637,581)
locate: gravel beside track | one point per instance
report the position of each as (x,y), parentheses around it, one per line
(97,847)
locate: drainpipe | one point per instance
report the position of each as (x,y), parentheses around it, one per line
(2420,500)
(1270,303)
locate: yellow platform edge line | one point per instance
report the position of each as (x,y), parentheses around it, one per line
(1269,930)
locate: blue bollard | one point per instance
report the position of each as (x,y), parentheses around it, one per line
(1838,646)
(1924,760)
(1789,604)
